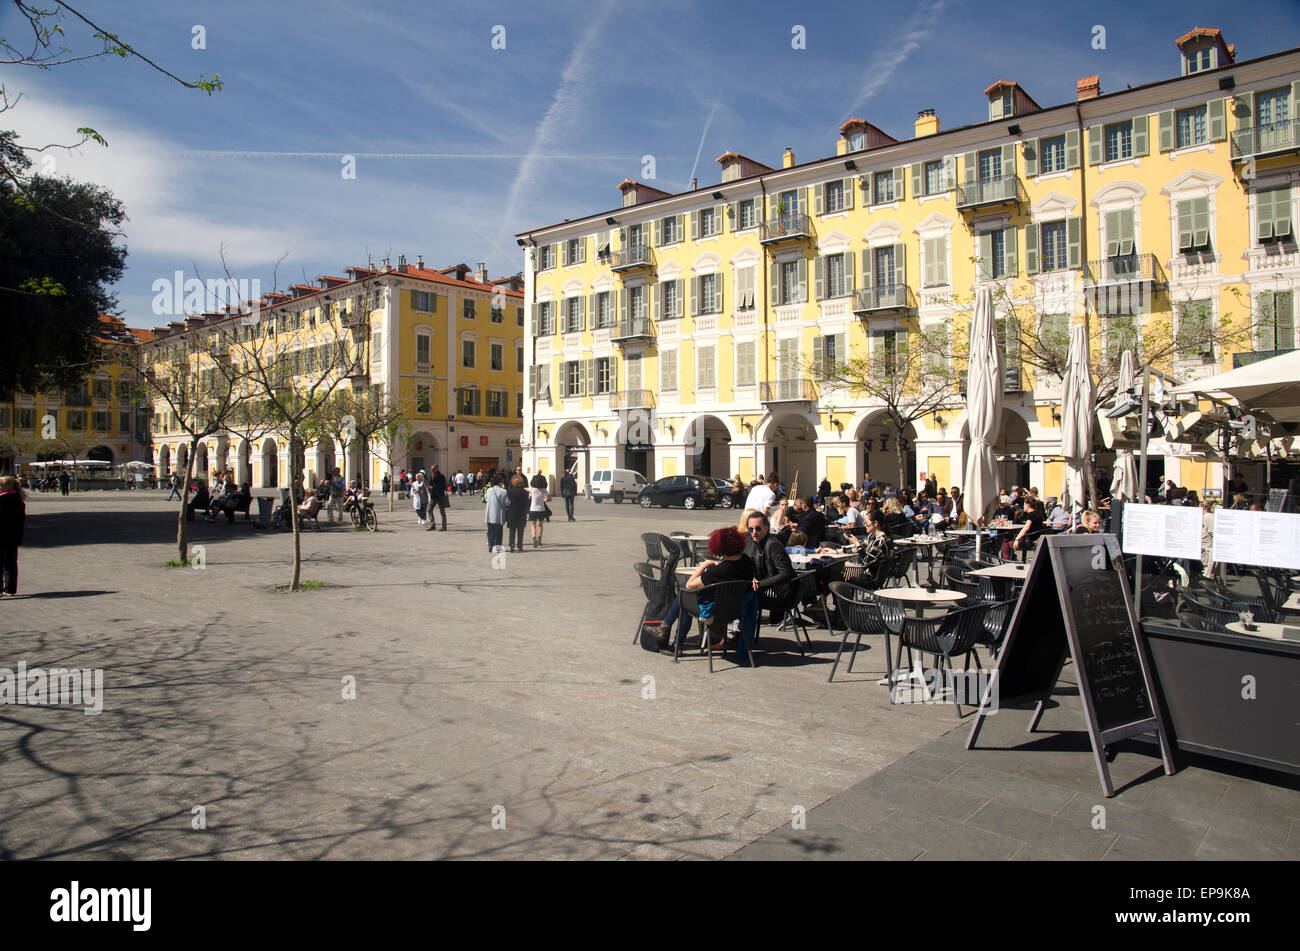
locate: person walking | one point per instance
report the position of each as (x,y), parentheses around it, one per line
(337,488)
(496,501)
(419,496)
(569,492)
(538,497)
(517,513)
(63,481)
(175,483)
(386,483)
(13,513)
(438,497)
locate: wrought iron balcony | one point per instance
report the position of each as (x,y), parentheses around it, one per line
(1254,356)
(632,399)
(989,191)
(627,259)
(1267,139)
(638,328)
(1123,283)
(787,391)
(879,300)
(1012,381)
(788,227)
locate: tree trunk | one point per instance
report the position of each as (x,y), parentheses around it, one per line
(902,456)
(182,535)
(293,514)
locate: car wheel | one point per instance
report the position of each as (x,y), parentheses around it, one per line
(689,502)
(597,499)
(618,498)
(725,503)
(645,502)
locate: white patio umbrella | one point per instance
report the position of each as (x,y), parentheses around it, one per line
(1078,394)
(984,382)
(1123,485)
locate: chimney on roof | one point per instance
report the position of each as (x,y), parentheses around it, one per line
(401,263)
(419,262)
(1089,87)
(480,273)
(927,123)
(387,266)
(787,159)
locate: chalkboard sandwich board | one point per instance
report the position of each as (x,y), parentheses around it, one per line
(1076,602)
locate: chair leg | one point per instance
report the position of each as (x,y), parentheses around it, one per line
(856,644)
(839,652)
(636,638)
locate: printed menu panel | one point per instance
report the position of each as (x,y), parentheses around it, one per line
(1271,539)
(1167,531)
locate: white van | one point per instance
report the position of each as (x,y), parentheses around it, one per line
(616,484)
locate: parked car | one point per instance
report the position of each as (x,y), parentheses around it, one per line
(615,484)
(724,492)
(687,491)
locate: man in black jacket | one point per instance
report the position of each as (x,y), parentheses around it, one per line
(569,491)
(807,520)
(438,497)
(771,563)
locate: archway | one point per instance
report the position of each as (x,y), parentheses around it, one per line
(422,453)
(164,461)
(221,454)
(243,464)
(791,451)
(201,461)
(572,442)
(100,454)
(707,447)
(182,458)
(879,443)
(1011,449)
(270,464)
(323,464)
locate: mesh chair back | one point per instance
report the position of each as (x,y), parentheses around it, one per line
(996,620)
(654,550)
(904,558)
(648,577)
(859,610)
(968,588)
(1206,617)
(726,600)
(955,633)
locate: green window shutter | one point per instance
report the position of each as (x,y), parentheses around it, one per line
(591,377)
(774,285)
(1265,326)
(658,300)
(1072,149)
(695,225)
(1284,301)
(848,193)
(900,266)
(1165,130)
(695,296)
(622,238)
(582,313)
(932,262)
(1264,214)
(1073,236)
(1127,243)
(918,186)
(1216,119)
(971,166)
(1096,151)
(718,281)
(1112,233)
(1008,160)
(564,253)
(868,263)
(733,212)
(1243,107)
(805,201)
(803,279)
(819,199)
(899,172)
(1201,222)
(1282,211)
(624,304)
(534,319)
(1140,146)
(681,290)
(984,246)
(819,281)
(681,224)
(1031,248)
(1010,266)
(819,356)
(846,260)
(1185,229)
(413,299)
(1031,158)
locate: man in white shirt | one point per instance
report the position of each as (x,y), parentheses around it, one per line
(763,496)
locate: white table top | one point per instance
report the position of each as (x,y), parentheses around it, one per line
(802,561)
(919,595)
(1271,631)
(1016,570)
(921,540)
(1292,603)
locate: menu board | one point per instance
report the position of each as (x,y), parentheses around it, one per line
(1167,531)
(1271,539)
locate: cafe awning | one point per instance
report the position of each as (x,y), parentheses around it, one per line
(1271,385)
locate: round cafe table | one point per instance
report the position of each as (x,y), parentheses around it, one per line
(1271,631)
(1017,571)
(923,541)
(920,597)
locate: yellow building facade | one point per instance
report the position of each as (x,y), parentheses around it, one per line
(446,345)
(677,333)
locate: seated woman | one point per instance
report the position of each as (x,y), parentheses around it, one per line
(236,501)
(780,517)
(878,548)
(727,562)
(848,526)
(200,501)
(1035,520)
(896,519)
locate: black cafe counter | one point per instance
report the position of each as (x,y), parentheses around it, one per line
(1229,695)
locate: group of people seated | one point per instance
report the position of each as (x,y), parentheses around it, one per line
(226,498)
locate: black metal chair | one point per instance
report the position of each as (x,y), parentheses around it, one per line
(969,588)
(860,614)
(726,603)
(654,547)
(651,579)
(784,599)
(903,560)
(1203,616)
(683,543)
(947,636)
(825,575)
(1224,597)
(995,624)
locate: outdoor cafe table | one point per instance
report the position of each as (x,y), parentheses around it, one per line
(1275,632)
(923,541)
(1017,571)
(920,597)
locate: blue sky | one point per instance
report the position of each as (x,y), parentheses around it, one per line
(459,145)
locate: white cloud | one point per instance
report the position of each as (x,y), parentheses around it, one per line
(883,65)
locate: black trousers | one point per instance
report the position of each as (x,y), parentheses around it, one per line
(516,534)
(568,505)
(9,570)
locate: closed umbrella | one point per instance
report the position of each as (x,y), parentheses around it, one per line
(1077,398)
(1123,485)
(983,411)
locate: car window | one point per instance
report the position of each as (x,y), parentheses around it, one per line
(664,483)
(679,482)
(640,479)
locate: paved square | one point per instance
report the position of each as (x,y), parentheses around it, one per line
(476,688)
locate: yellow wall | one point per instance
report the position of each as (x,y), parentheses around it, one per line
(836,467)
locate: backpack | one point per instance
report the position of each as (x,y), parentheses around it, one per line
(652,632)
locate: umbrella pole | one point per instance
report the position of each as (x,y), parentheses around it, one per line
(1142,485)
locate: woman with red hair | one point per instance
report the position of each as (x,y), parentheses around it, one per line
(727,562)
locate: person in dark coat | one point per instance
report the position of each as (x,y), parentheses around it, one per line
(13,513)
(569,492)
(63,481)
(438,497)
(517,512)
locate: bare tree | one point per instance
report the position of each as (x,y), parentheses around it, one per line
(364,418)
(389,437)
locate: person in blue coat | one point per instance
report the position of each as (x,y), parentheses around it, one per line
(496,502)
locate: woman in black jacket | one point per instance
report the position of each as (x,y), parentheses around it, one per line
(13,513)
(517,513)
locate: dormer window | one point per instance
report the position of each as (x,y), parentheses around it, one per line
(1200,60)
(857,141)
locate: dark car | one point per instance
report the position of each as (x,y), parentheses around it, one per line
(686,491)
(724,492)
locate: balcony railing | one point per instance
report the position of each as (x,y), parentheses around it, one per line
(634,329)
(632,399)
(1254,356)
(626,259)
(787,391)
(1012,381)
(1267,139)
(988,191)
(785,228)
(892,297)
(1124,269)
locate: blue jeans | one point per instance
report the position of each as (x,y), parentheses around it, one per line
(674,613)
(494,535)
